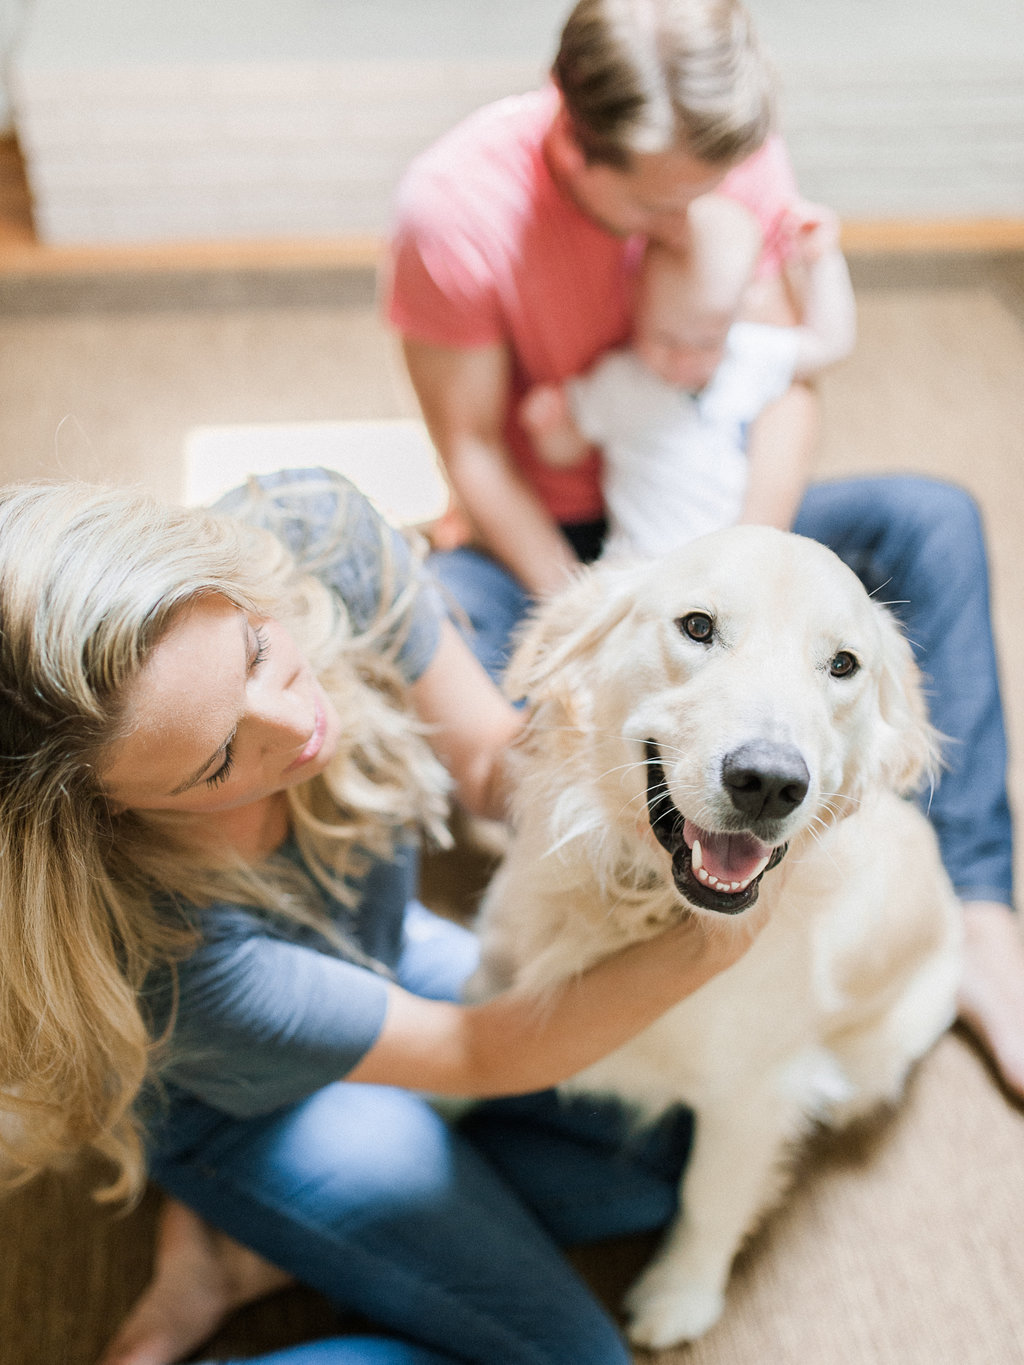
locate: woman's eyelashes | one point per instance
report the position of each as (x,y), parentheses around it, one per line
(262,648)
(262,643)
(224,771)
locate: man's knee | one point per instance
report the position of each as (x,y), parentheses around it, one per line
(942,528)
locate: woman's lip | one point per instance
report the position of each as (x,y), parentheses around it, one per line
(316,739)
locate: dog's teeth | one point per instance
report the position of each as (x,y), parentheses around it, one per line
(697,857)
(760,867)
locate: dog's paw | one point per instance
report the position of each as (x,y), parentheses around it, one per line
(664,1310)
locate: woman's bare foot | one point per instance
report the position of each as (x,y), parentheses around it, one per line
(200,1277)
(992,990)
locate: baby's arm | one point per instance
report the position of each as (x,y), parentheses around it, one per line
(546,416)
(819,282)
(780,454)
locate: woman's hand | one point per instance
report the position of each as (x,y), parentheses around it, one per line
(518,1042)
(471,725)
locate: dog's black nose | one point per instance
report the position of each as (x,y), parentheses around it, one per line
(765,780)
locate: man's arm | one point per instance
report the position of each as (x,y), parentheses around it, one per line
(464,395)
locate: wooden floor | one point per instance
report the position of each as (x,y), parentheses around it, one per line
(899,1248)
(22,253)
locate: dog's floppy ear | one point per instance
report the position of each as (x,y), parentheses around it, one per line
(909,744)
(564,629)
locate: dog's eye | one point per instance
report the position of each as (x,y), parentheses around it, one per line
(843,665)
(698,625)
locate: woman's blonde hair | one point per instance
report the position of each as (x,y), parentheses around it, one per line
(642,76)
(90,579)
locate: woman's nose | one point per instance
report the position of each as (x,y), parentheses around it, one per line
(286,718)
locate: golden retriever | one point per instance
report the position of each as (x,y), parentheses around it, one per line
(731,731)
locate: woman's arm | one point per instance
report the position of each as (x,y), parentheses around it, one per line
(471,725)
(516,1042)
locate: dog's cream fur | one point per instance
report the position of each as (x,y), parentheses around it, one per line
(854,972)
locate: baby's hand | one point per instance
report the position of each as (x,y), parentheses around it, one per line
(812,231)
(546,417)
(544,409)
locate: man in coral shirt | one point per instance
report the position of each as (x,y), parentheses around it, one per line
(516,243)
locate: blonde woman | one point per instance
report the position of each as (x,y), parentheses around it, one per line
(219,743)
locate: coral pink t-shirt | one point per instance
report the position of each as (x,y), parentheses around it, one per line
(486,248)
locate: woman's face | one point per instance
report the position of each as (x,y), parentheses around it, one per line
(226,712)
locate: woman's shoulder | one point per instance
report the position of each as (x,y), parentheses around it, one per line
(309,510)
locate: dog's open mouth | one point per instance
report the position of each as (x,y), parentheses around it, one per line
(714,870)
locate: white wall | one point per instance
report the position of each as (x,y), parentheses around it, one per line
(12,12)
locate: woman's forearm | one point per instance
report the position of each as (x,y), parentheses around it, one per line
(517,1042)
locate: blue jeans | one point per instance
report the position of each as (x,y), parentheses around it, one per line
(917,544)
(444,1236)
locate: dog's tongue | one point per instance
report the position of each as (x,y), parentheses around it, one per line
(729,857)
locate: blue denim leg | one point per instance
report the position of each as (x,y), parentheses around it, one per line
(367,1195)
(490,603)
(349,1351)
(437,955)
(918,544)
(582,1164)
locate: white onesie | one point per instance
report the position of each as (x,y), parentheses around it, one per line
(675,462)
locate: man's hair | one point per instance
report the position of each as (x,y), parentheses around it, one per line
(664,75)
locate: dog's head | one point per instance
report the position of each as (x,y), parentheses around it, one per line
(745,689)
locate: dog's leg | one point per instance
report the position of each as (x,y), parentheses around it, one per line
(877,1056)
(736,1171)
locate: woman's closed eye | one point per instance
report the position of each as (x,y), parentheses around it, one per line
(224,771)
(262,648)
(258,656)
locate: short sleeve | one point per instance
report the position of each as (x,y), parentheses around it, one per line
(438,281)
(440,290)
(337,536)
(766,185)
(259,1021)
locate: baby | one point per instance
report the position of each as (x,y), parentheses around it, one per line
(671,412)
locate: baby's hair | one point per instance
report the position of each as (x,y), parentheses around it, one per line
(662,75)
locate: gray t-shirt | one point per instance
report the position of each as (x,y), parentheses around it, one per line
(267,1010)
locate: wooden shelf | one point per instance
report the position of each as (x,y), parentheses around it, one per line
(937,234)
(22,254)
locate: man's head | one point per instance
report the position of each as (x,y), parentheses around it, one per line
(659,99)
(689,298)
